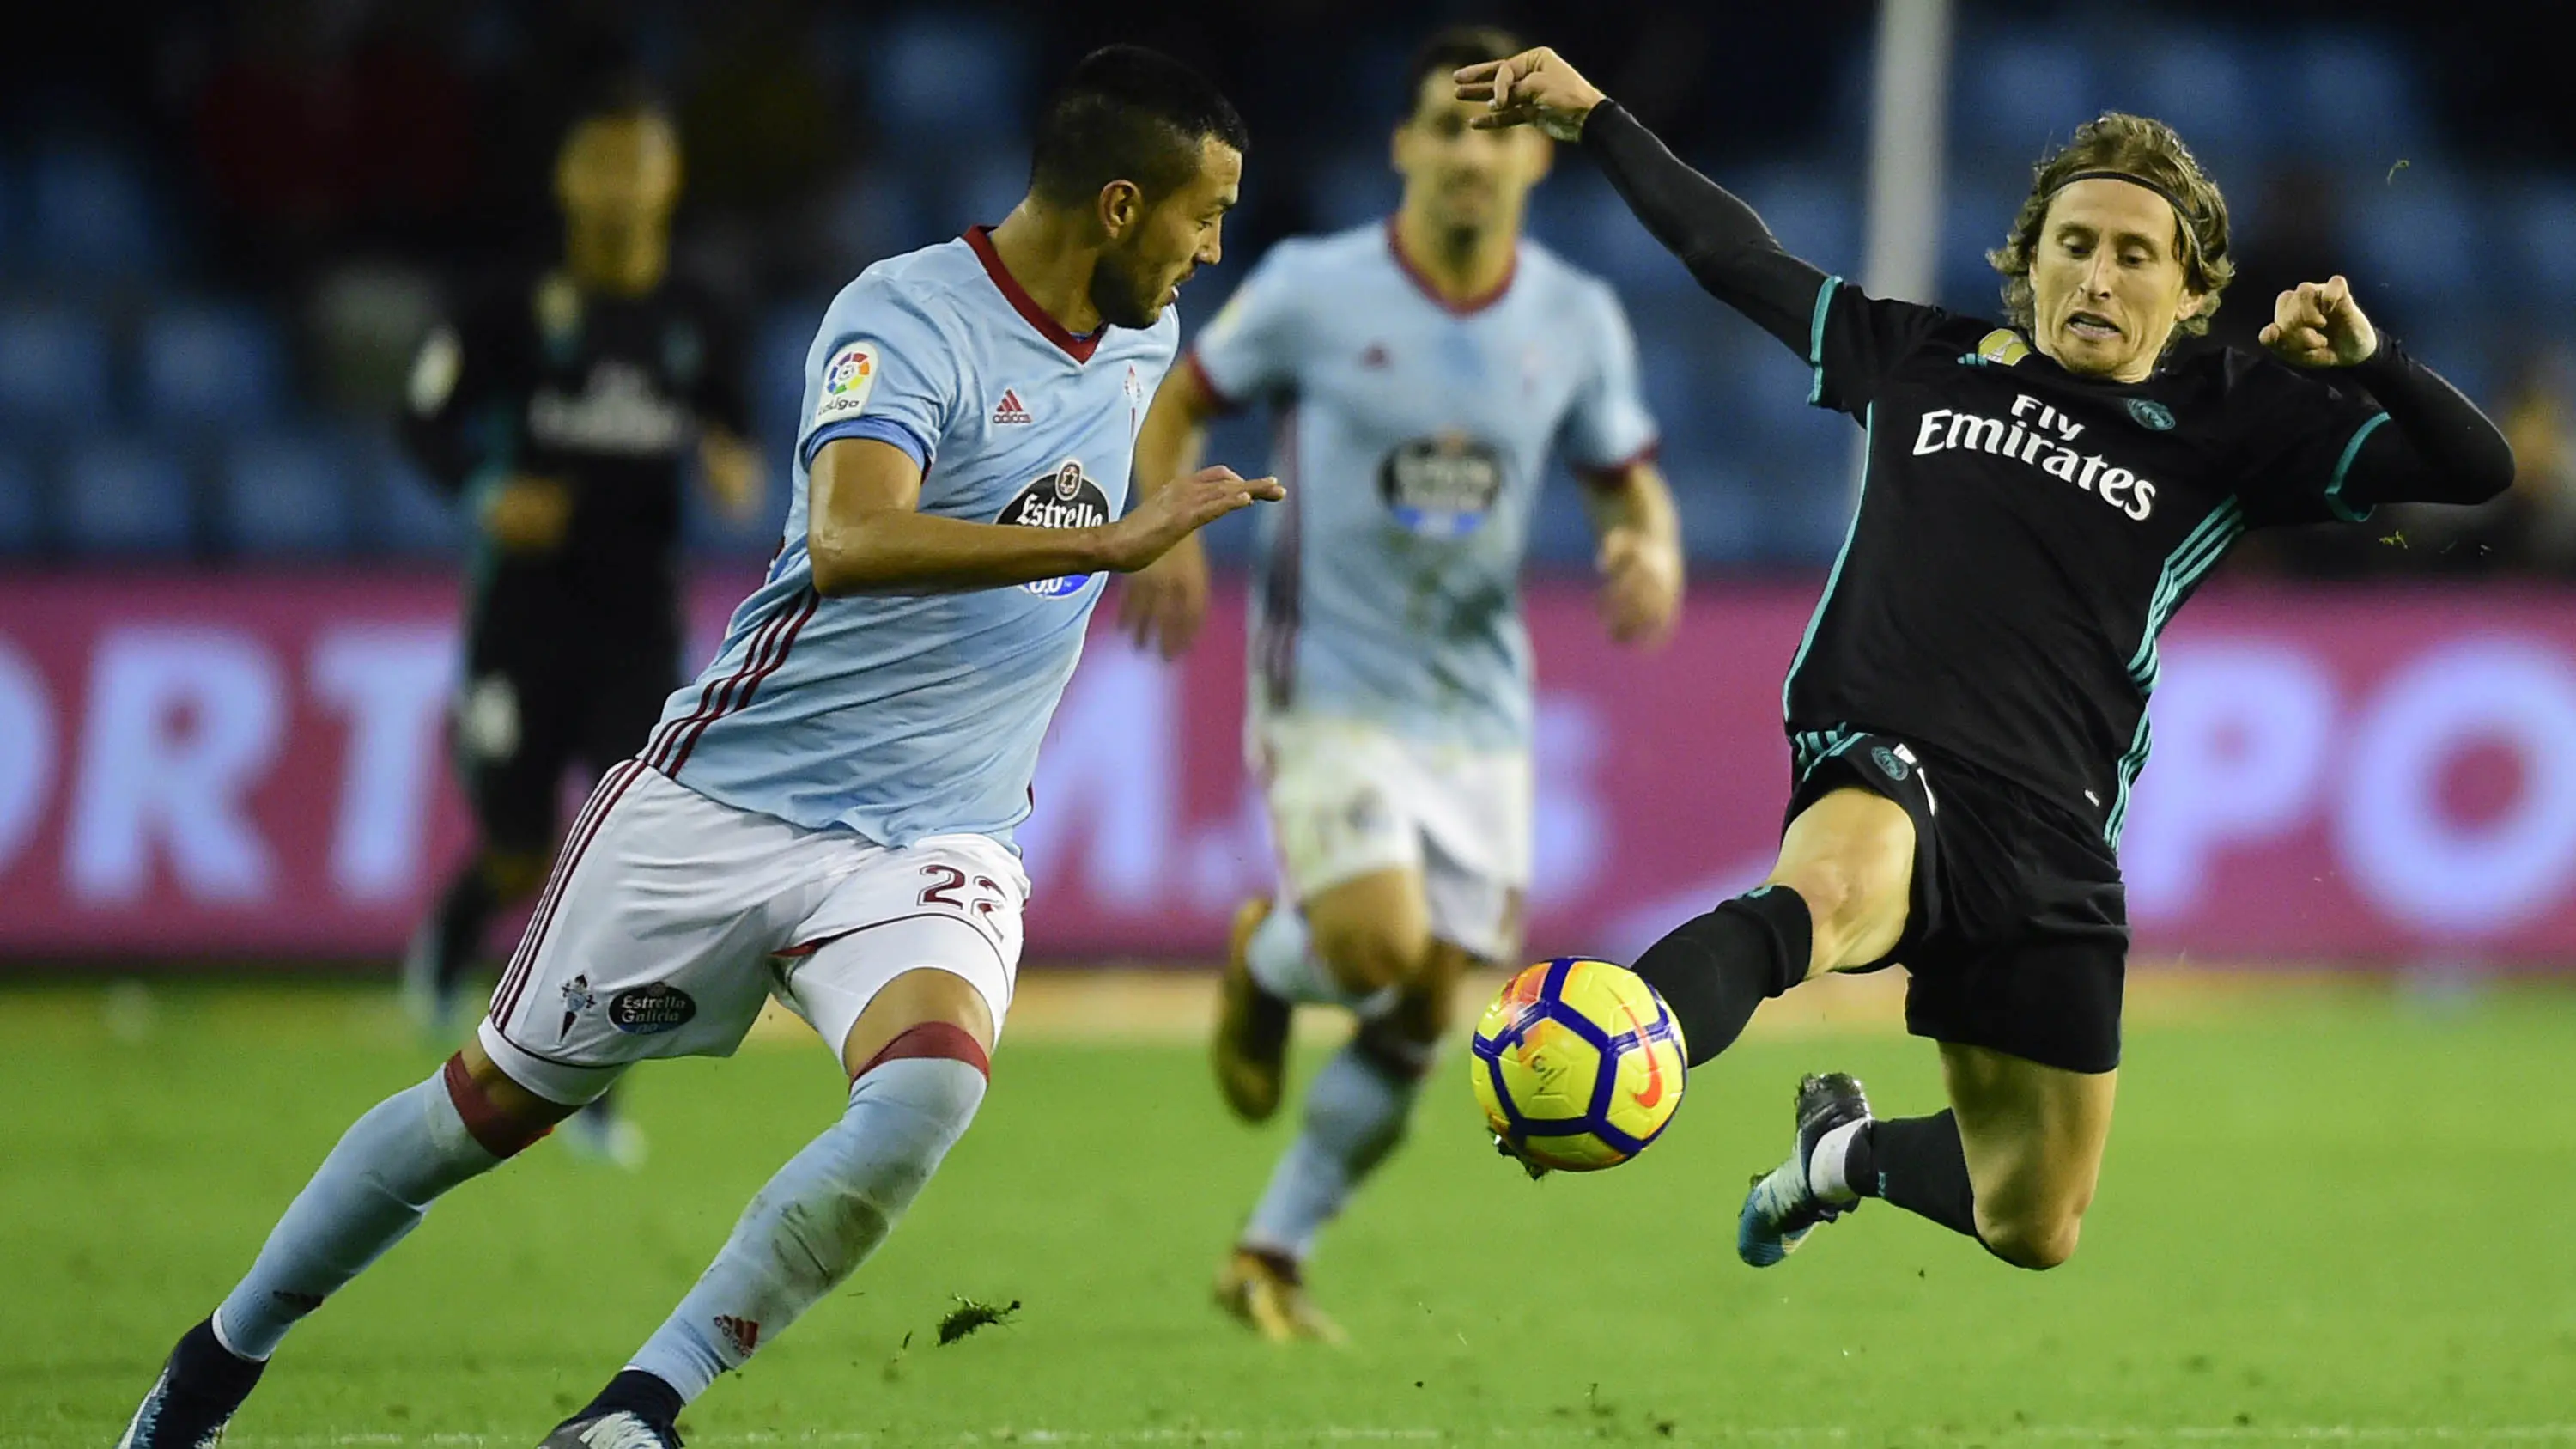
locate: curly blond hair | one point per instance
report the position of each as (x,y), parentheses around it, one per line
(2146,149)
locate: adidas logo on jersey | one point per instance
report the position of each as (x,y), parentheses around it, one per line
(1010,410)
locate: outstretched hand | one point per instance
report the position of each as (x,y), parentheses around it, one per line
(1180,508)
(1534,88)
(2318,324)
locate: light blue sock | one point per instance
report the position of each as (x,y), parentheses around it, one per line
(1355,1114)
(373,1188)
(818,1219)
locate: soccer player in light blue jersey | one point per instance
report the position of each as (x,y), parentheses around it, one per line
(1422,370)
(826,814)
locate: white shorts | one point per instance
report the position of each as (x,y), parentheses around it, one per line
(1347,798)
(670,919)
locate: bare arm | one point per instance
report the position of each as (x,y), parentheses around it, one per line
(1641,552)
(1162,605)
(865,530)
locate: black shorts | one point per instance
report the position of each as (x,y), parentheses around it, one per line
(536,702)
(2018,934)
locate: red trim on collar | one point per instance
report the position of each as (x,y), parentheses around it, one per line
(1456,308)
(1077,348)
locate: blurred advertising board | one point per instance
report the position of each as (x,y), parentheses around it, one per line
(247,766)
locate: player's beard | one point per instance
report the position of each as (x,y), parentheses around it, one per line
(1121,292)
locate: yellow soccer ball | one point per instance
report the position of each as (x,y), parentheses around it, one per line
(1578,1065)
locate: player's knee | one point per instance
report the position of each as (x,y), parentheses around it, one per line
(925,1012)
(513,874)
(2038,1240)
(1368,955)
(1851,917)
(1834,896)
(503,1117)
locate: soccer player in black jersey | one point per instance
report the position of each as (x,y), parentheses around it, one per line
(1967,712)
(562,406)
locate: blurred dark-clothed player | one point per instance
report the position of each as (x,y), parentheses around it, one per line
(562,405)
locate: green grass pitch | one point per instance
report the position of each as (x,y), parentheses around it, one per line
(2344,1220)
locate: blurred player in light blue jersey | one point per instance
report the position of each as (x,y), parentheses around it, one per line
(1422,371)
(826,814)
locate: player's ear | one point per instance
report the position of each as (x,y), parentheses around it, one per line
(1121,207)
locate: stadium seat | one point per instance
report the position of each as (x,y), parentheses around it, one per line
(2204,84)
(707,533)
(2354,95)
(124,497)
(22,515)
(984,187)
(922,62)
(2418,240)
(777,381)
(1813,210)
(1720,502)
(88,214)
(1350,188)
(1977,210)
(287,495)
(53,368)
(2544,217)
(875,211)
(210,364)
(2011,94)
(410,516)
(1577,216)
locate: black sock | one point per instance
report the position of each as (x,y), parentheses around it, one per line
(1917,1164)
(639,1393)
(463,915)
(1712,970)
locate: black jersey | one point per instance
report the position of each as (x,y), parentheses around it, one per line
(2024,534)
(605,394)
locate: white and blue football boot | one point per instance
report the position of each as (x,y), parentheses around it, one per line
(616,1429)
(199,1388)
(1783,1206)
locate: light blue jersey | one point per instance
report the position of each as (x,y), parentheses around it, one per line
(1413,438)
(903,716)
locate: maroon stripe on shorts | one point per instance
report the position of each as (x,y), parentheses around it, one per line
(585,829)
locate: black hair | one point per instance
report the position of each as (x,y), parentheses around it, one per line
(1450,48)
(1128,114)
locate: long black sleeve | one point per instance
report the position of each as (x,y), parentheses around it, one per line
(2438,447)
(1724,244)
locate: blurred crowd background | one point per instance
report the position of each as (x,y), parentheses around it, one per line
(225,227)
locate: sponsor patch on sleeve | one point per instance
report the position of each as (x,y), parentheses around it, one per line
(847,379)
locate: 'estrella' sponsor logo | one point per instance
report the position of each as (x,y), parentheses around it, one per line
(650,1010)
(1064,498)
